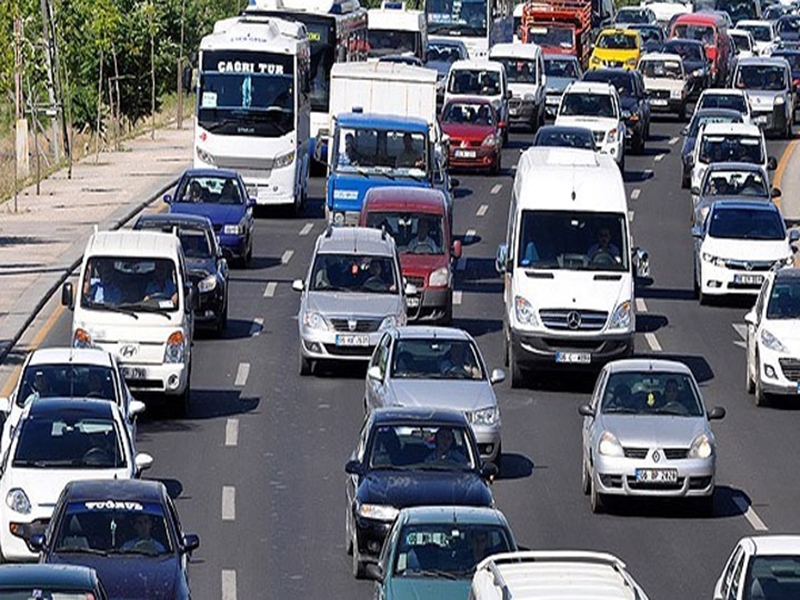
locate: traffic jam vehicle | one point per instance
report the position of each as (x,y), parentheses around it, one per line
(562,27)
(476,134)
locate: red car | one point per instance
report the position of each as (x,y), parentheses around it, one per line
(475,132)
(419,220)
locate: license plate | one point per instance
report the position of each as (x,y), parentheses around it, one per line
(579,358)
(466,154)
(352,340)
(657,475)
(134,373)
(658,102)
(760,120)
(513,111)
(748,279)
(412,302)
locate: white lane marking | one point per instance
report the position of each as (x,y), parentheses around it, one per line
(648,173)
(228,584)
(256,327)
(228,503)
(640,305)
(457,297)
(652,340)
(630,216)
(287,256)
(241,374)
(482,210)
(740,344)
(496,189)
(749,514)
(674,141)
(461,264)
(635,194)
(659,157)
(741,329)
(470,235)
(269,291)
(306,229)
(232,432)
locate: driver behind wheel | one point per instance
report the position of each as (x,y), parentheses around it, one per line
(162,285)
(144,541)
(604,246)
(459,364)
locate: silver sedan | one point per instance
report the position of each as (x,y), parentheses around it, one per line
(646,433)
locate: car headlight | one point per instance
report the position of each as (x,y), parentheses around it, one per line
(621,317)
(594,60)
(612,136)
(631,62)
(207,284)
(489,140)
(388,323)
(205,156)
(486,416)
(714,260)
(176,348)
(81,339)
(524,311)
(378,512)
(780,100)
(609,445)
(788,261)
(773,343)
(284,160)
(701,447)
(439,278)
(314,320)
(529,98)
(233,229)
(18,501)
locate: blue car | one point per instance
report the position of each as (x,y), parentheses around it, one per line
(221,196)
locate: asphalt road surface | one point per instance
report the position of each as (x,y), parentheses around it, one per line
(258,464)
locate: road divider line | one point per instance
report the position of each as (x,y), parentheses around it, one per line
(228,584)
(286,257)
(747,509)
(482,210)
(740,329)
(640,305)
(470,235)
(269,291)
(232,432)
(635,194)
(256,327)
(306,229)
(496,189)
(674,141)
(630,216)
(652,341)
(659,157)
(242,372)
(457,297)
(228,503)
(461,264)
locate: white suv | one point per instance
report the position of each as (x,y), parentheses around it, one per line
(595,105)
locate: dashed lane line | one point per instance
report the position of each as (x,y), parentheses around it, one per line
(659,157)
(630,216)
(306,229)
(673,141)
(747,509)
(457,297)
(232,432)
(269,291)
(242,372)
(496,189)
(635,194)
(741,331)
(286,257)
(256,327)
(482,210)
(640,305)
(228,584)
(652,341)
(228,503)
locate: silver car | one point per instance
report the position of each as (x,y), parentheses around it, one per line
(353,292)
(730,181)
(437,367)
(646,433)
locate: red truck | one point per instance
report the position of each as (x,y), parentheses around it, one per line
(559,27)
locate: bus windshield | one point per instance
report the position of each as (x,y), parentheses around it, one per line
(461,17)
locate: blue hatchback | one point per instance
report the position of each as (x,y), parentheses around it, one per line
(221,196)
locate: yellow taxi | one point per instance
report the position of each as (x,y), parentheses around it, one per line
(616,48)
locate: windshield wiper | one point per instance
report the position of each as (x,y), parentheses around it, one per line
(434,573)
(81,551)
(134,550)
(112,308)
(149,309)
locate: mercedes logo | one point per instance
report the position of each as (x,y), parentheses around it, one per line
(574,320)
(352,324)
(656,456)
(128,350)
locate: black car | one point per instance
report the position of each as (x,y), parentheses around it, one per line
(563,136)
(788,28)
(699,119)
(127,531)
(49,581)
(652,35)
(208,270)
(633,102)
(409,457)
(695,63)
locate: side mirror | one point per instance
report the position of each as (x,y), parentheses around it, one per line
(37,542)
(143,462)
(772,164)
(321,147)
(136,408)
(192,300)
(750,318)
(716,413)
(445,139)
(67,297)
(498,376)
(697,232)
(695,191)
(501,125)
(251,202)
(168,198)
(454,183)
(190,543)
(375,373)
(457,249)
(775,193)
(794,235)
(501,258)
(298,285)
(489,471)
(374,572)
(642,263)
(585,410)
(354,467)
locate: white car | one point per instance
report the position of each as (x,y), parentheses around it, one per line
(744,43)
(59,440)
(666,9)
(773,337)
(666,82)
(729,142)
(764,35)
(69,373)
(737,245)
(596,106)
(761,567)
(732,99)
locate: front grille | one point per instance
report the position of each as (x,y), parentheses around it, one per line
(635,452)
(565,344)
(334,350)
(676,453)
(515,103)
(749,265)
(790,368)
(613,64)
(243,164)
(660,94)
(638,485)
(418,282)
(362,325)
(573,320)
(599,136)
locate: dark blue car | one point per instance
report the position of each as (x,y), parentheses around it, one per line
(50,581)
(127,531)
(221,196)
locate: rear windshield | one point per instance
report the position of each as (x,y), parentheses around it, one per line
(480,82)
(731,148)
(732,101)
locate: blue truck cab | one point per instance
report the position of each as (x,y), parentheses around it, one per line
(369,150)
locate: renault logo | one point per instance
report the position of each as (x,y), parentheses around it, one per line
(574,320)
(352,324)
(128,350)
(748,266)
(656,456)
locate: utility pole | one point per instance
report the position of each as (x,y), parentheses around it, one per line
(21,165)
(180,67)
(51,94)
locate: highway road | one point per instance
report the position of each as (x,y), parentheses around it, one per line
(258,463)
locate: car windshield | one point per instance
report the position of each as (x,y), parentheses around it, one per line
(554,67)
(742,42)
(651,393)
(566,138)
(385,42)
(761,33)
(130,284)
(69,442)
(621,81)
(436,359)
(371,151)
(465,113)
(775,576)
(195,242)
(518,70)
(420,447)
(731,148)
(457,17)
(358,273)
(414,233)
(107,526)
(746,224)
(617,41)
(788,25)
(784,299)
(735,183)
(478,82)
(551,37)
(587,105)
(666,69)
(209,190)
(631,16)
(761,77)
(567,240)
(444,53)
(701,33)
(699,120)
(691,52)
(447,550)
(66,381)
(735,102)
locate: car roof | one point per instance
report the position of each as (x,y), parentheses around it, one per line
(47,576)
(419,416)
(384,198)
(705,18)
(724,92)
(179,219)
(717,112)
(565,128)
(446,41)
(761,61)
(661,56)
(752,22)
(472,63)
(356,240)
(590,87)
(64,355)
(732,128)
(209,173)
(430,331)
(515,51)
(412,124)
(788,273)
(121,490)
(561,57)
(614,30)
(470,515)
(675,41)
(137,244)
(606,70)
(628,365)
(54,407)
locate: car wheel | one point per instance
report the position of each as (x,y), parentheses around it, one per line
(305,365)
(695,283)
(637,146)
(586,482)
(516,371)
(506,345)
(505,137)
(248,258)
(760,395)
(447,316)
(358,564)
(750,385)
(686,180)
(348,538)
(179,405)
(682,113)
(595,498)
(788,134)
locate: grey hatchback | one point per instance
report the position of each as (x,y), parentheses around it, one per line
(768,82)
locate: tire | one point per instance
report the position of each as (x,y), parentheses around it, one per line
(682,113)
(505,137)
(758,391)
(348,539)
(749,384)
(788,133)
(222,321)
(586,481)
(178,406)
(248,257)
(686,180)
(516,373)
(695,284)
(305,365)
(498,458)
(447,317)
(506,345)
(596,500)
(357,564)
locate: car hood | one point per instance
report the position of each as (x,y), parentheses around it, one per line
(408,588)
(756,250)
(557,84)
(458,131)
(662,431)
(593,123)
(441,67)
(610,54)
(220,214)
(200,267)
(422,264)
(761,100)
(424,488)
(569,289)
(354,304)
(130,577)
(443,393)
(663,83)
(43,487)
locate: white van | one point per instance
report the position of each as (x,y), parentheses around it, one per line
(484,78)
(524,64)
(134,299)
(394,30)
(567,263)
